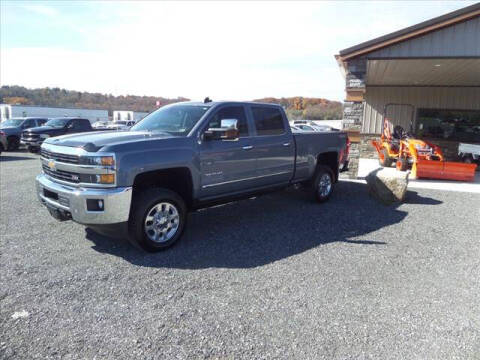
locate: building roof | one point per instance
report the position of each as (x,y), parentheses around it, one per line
(411,31)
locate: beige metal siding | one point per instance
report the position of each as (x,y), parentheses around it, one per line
(462,39)
(466,98)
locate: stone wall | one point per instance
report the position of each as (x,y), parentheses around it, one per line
(366,148)
(353,111)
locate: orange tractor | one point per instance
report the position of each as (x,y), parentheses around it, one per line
(424,158)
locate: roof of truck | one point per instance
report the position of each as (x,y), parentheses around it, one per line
(212,103)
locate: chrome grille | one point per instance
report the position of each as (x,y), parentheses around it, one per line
(62,175)
(65,158)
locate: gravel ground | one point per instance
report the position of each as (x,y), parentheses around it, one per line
(274,277)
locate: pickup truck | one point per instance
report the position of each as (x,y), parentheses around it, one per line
(34,137)
(142,183)
(12,129)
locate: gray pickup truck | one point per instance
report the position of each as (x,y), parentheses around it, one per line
(180,158)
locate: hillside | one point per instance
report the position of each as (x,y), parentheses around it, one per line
(308,108)
(296,107)
(71,98)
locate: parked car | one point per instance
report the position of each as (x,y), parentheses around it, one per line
(34,137)
(100,125)
(469,153)
(3,141)
(180,158)
(12,128)
(120,125)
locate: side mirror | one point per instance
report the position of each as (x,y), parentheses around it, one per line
(227,131)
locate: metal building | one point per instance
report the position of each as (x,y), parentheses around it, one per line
(431,70)
(9,111)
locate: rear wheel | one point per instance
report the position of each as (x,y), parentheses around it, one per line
(33,149)
(13,143)
(384,159)
(323,183)
(157,219)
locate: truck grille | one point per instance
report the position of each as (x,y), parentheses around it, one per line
(29,136)
(65,158)
(62,175)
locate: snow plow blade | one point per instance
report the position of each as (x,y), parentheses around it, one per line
(446,170)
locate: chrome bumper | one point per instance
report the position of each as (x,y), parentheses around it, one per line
(73,200)
(31,142)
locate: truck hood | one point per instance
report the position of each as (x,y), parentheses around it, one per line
(45,130)
(94,141)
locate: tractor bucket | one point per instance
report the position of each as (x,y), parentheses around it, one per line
(430,169)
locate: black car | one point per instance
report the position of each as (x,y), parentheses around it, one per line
(34,137)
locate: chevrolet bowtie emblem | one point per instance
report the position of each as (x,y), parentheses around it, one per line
(51,164)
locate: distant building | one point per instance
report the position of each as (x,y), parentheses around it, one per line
(429,73)
(10,111)
(125,115)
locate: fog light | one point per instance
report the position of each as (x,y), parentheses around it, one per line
(95,205)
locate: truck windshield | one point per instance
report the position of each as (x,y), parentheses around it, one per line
(13,122)
(57,123)
(174,119)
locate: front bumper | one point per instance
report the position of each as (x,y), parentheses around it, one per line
(72,202)
(27,142)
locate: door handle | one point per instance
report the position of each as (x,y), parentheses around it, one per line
(248,147)
(286,144)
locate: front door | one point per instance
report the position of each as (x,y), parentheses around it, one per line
(227,166)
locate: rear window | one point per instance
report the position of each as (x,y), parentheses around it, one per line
(268,121)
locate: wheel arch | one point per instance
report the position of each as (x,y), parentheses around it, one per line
(177,179)
(329,159)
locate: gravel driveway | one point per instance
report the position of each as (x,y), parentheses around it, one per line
(274,277)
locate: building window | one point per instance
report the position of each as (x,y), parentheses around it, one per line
(456,125)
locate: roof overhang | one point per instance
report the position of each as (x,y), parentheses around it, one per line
(420,29)
(423,72)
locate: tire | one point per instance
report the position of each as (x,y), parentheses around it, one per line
(145,211)
(386,161)
(33,149)
(13,143)
(402,164)
(322,184)
(467,159)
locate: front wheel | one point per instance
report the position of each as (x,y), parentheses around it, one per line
(323,183)
(157,219)
(33,149)
(13,143)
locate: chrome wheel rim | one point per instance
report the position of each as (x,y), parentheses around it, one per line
(324,185)
(162,222)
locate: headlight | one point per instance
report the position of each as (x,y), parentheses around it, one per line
(98,160)
(44,136)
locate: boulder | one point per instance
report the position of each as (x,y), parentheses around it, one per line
(387,185)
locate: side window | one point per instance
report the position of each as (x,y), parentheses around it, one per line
(40,122)
(76,124)
(29,124)
(84,124)
(268,121)
(231,112)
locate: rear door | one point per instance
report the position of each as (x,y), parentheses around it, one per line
(227,166)
(273,145)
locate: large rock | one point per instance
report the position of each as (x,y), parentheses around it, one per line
(388,185)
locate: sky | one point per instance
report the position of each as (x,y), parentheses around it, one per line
(225,50)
